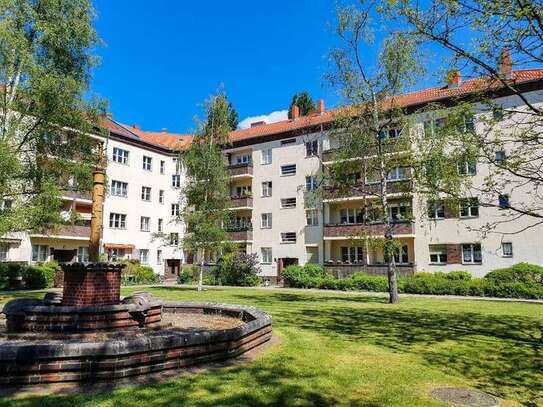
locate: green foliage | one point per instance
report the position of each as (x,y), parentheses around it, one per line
(45,69)
(221,112)
(19,275)
(185,277)
(304,102)
(520,272)
(135,273)
(238,269)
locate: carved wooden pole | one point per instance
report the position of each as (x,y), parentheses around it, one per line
(98,180)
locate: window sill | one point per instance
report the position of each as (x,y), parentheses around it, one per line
(437,264)
(288,243)
(287,175)
(472,264)
(288,207)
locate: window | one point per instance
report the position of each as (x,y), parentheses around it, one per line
(243,159)
(390,133)
(174,239)
(119,188)
(147,163)
(436,210)
(177,165)
(397,174)
(310,183)
(120,156)
(160,224)
(352,254)
(4,251)
(242,191)
(176,181)
(83,254)
(503,201)
(144,256)
(399,211)
(507,249)
(162,166)
(161,196)
(115,254)
(438,254)
(159,256)
(6,204)
(312,217)
(469,207)
(351,216)
(39,253)
(175,209)
(500,157)
(266,156)
(145,224)
(401,255)
(288,237)
(266,189)
(288,203)
(146,194)
(266,221)
(467,167)
(266,253)
(288,141)
(312,255)
(471,254)
(117,221)
(431,127)
(288,170)
(312,148)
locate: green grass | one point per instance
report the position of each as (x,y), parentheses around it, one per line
(354,350)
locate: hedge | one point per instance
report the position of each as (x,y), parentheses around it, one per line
(15,276)
(135,273)
(502,284)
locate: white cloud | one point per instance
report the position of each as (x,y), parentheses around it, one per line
(268,118)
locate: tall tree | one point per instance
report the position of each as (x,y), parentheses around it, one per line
(221,103)
(304,102)
(373,155)
(45,63)
(206,192)
(505,139)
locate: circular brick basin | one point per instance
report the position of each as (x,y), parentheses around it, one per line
(77,358)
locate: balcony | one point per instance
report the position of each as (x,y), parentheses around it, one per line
(66,232)
(342,270)
(240,233)
(240,202)
(85,197)
(363,190)
(328,156)
(344,231)
(240,171)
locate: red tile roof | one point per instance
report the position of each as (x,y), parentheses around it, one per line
(425,96)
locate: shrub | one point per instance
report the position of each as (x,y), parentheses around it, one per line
(520,272)
(135,273)
(185,277)
(42,275)
(239,269)
(12,275)
(308,276)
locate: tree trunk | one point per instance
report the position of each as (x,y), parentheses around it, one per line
(393,297)
(201,275)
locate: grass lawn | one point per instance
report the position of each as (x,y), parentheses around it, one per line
(355,350)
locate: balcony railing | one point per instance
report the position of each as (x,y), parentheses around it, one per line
(241,170)
(330,155)
(66,232)
(371,229)
(240,233)
(342,270)
(240,202)
(368,190)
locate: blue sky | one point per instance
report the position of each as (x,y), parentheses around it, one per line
(162,58)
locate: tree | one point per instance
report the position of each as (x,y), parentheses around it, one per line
(506,140)
(304,102)
(45,63)
(221,103)
(372,148)
(206,192)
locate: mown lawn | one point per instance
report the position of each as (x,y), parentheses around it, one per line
(355,350)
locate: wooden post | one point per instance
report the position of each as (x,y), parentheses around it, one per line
(98,180)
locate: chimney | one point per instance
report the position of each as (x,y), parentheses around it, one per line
(453,78)
(258,124)
(136,126)
(320,106)
(295,112)
(505,64)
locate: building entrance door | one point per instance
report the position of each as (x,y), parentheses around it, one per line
(281,264)
(64,256)
(173,268)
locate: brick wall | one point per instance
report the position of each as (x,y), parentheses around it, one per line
(91,287)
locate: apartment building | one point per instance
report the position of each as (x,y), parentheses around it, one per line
(273,168)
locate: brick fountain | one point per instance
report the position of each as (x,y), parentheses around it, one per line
(88,334)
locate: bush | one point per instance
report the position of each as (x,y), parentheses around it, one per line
(308,276)
(41,275)
(12,275)
(135,273)
(185,277)
(238,269)
(520,272)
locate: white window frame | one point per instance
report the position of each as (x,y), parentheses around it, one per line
(174,239)
(401,255)
(120,156)
(354,254)
(83,254)
(266,255)
(288,203)
(467,168)
(312,148)
(352,216)
(117,220)
(159,259)
(4,252)
(147,163)
(243,159)
(119,188)
(145,224)
(312,217)
(160,225)
(310,182)
(266,220)
(267,189)
(40,253)
(161,196)
(470,248)
(288,170)
(509,251)
(395,211)
(266,156)
(288,237)
(470,208)
(176,181)
(399,173)
(436,207)
(144,256)
(146,194)
(440,251)
(175,209)
(162,167)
